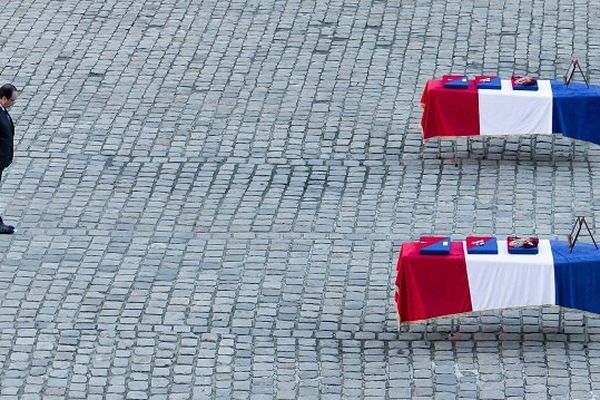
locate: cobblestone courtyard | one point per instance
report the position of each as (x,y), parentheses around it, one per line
(210,197)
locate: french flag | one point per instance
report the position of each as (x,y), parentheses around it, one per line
(429,286)
(573,111)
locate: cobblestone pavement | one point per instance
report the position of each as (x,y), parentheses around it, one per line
(210,197)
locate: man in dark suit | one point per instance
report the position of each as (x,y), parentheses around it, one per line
(8,96)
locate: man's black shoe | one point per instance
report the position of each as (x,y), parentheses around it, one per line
(6,229)
(10,226)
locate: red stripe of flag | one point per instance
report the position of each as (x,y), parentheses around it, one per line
(449,112)
(430,286)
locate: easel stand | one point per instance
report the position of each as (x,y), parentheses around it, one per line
(580,222)
(571,71)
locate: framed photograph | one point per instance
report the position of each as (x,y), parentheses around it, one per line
(580,222)
(570,71)
(575,231)
(575,65)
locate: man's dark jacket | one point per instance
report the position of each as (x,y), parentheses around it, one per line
(7,133)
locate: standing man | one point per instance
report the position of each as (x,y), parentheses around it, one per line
(8,96)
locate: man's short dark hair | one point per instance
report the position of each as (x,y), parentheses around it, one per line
(7,90)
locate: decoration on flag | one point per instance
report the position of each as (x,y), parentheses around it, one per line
(438,245)
(455,81)
(488,82)
(526,82)
(481,245)
(522,244)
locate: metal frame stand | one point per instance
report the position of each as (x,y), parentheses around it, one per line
(560,327)
(453,329)
(560,320)
(586,334)
(586,331)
